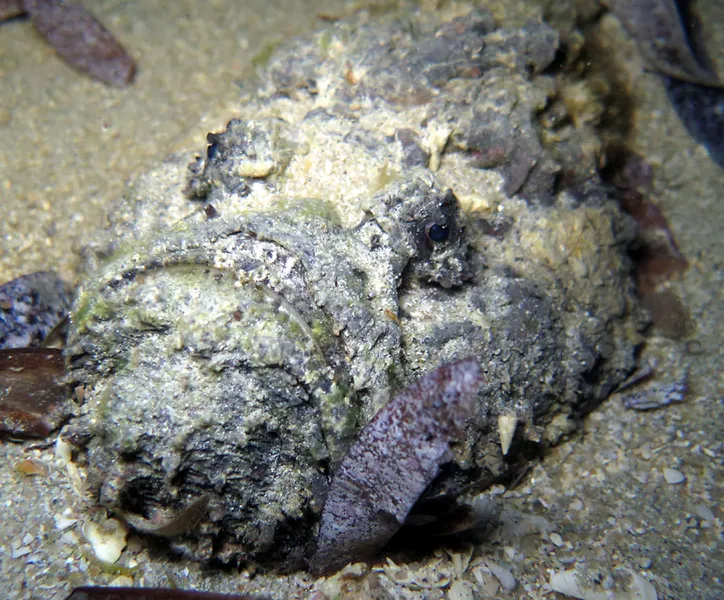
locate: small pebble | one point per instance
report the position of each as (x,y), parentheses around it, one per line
(673,476)
(556,539)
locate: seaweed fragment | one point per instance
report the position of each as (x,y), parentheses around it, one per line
(397,455)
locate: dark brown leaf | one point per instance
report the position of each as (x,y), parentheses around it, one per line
(668,43)
(10,9)
(33,398)
(397,455)
(82,41)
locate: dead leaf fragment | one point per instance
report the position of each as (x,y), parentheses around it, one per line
(34,400)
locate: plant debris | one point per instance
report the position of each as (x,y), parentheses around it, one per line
(34,399)
(396,456)
(78,37)
(667,34)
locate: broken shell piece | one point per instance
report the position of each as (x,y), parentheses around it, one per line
(673,476)
(63,452)
(63,521)
(578,584)
(506,429)
(503,575)
(108,540)
(31,466)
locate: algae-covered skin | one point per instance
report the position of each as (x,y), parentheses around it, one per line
(386,202)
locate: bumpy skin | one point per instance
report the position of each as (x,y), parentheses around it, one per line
(234,355)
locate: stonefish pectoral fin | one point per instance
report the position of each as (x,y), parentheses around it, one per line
(397,455)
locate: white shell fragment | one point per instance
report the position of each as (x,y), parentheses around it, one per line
(704,512)
(506,428)
(108,540)
(63,452)
(503,575)
(63,522)
(573,584)
(673,476)
(577,585)
(460,590)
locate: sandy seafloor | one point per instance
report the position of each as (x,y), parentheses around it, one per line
(598,503)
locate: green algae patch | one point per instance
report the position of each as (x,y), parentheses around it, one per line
(90,307)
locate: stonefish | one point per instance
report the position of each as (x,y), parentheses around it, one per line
(388,200)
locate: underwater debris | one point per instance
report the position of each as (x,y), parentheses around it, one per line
(657,395)
(10,9)
(395,458)
(181,522)
(656,254)
(701,110)
(31,306)
(667,34)
(78,37)
(34,398)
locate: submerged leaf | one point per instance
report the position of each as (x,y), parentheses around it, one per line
(701,110)
(30,308)
(82,41)
(10,9)
(34,400)
(397,455)
(667,37)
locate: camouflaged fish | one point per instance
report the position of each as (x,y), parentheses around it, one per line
(381,205)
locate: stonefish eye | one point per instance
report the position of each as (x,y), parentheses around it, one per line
(437,233)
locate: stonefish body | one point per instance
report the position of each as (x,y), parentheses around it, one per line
(384,204)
